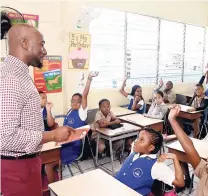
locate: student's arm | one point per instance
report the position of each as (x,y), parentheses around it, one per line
(185,141)
(87,88)
(179,179)
(50,119)
(137,103)
(104,124)
(122,91)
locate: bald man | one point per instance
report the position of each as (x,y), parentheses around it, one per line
(21,123)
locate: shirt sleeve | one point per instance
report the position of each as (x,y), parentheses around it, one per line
(161,172)
(200,170)
(98,117)
(163,110)
(201,81)
(130,97)
(83,113)
(11,105)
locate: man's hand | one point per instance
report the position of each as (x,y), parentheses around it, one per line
(62,133)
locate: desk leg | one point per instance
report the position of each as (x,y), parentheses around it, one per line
(60,170)
(111,154)
(97,144)
(196,127)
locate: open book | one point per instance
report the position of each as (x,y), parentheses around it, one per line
(80,133)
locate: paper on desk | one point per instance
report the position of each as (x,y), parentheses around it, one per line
(77,135)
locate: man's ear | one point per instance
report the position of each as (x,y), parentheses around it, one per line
(24,43)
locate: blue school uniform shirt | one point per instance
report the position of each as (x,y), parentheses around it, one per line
(44,113)
(141,110)
(139,173)
(72,150)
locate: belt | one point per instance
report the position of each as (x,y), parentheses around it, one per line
(27,156)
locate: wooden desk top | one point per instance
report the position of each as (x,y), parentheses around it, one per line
(200,145)
(119,111)
(140,120)
(119,131)
(92,183)
(50,146)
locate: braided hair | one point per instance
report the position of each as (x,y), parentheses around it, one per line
(156,139)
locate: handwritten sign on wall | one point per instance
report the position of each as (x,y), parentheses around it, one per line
(79,50)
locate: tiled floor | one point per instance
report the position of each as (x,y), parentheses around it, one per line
(88,165)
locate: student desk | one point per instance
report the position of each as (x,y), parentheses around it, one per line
(119,111)
(193,116)
(50,153)
(121,133)
(92,183)
(200,145)
(141,121)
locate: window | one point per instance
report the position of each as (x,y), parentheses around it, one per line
(144,48)
(107,48)
(194,53)
(171,50)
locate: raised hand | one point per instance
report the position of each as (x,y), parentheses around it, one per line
(174,111)
(49,105)
(93,74)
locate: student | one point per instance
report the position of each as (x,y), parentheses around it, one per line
(201,81)
(46,112)
(200,166)
(75,118)
(169,94)
(104,118)
(135,98)
(199,101)
(158,108)
(142,167)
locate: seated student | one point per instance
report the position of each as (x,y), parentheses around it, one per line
(48,119)
(199,165)
(75,118)
(169,94)
(104,118)
(142,167)
(199,101)
(135,98)
(158,108)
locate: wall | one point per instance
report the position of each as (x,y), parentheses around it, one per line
(57,19)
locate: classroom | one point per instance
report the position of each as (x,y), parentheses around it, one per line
(104,97)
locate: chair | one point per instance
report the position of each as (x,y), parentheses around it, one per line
(181,99)
(68,153)
(91,115)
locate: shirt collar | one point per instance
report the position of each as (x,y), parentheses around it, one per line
(16,62)
(152,156)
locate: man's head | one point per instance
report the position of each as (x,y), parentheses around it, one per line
(168,86)
(27,44)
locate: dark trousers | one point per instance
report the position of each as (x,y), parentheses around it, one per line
(21,177)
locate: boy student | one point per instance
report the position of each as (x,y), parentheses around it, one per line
(158,108)
(142,167)
(75,118)
(104,118)
(169,94)
(135,98)
(201,81)
(200,166)
(46,106)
